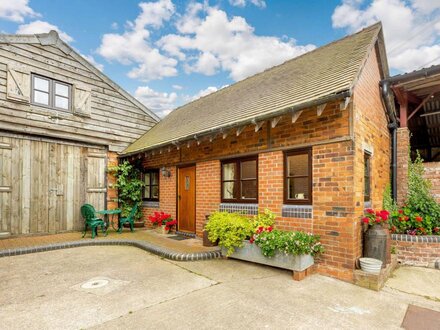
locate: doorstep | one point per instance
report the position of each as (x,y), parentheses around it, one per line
(161,245)
(375,281)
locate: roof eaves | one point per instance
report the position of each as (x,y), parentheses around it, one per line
(304,105)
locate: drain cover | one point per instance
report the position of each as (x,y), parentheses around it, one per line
(94,284)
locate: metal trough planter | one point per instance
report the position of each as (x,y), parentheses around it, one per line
(251,252)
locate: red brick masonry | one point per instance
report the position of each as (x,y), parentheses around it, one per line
(417,250)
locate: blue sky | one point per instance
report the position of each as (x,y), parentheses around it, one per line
(167,53)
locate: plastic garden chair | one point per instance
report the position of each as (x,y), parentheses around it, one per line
(90,220)
(129,219)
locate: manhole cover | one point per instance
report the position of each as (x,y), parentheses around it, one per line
(94,284)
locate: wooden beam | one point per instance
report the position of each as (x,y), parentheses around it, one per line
(197,139)
(426,99)
(413,98)
(402,98)
(176,144)
(257,124)
(274,121)
(296,115)
(240,129)
(344,104)
(320,109)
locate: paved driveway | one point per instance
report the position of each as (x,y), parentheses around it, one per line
(116,287)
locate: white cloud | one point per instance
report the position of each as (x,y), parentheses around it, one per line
(133,47)
(115,26)
(411,28)
(16,10)
(42,27)
(223,43)
(178,87)
(92,61)
(161,103)
(201,93)
(242,3)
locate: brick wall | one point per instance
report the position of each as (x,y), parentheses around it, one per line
(432,173)
(417,250)
(112,193)
(337,140)
(372,135)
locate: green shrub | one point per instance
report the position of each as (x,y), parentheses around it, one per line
(388,203)
(420,215)
(230,229)
(129,185)
(265,219)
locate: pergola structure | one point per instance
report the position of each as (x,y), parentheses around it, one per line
(417,96)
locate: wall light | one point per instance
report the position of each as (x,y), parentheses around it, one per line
(165,172)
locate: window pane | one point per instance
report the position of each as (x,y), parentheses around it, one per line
(155,192)
(228,190)
(154,178)
(249,169)
(62,90)
(249,189)
(41,84)
(147,179)
(229,171)
(147,192)
(61,102)
(298,188)
(41,97)
(298,165)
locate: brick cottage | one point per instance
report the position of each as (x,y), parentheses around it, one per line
(307,139)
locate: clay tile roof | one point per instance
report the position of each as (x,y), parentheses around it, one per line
(325,71)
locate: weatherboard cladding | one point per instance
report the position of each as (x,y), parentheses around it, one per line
(326,71)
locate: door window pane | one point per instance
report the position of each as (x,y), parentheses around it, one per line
(61,90)
(41,97)
(229,171)
(298,165)
(249,169)
(61,102)
(249,189)
(228,190)
(41,84)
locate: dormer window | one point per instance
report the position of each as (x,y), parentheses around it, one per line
(51,93)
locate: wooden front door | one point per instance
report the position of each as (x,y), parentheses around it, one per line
(186,197)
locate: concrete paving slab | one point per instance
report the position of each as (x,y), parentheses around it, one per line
(424,282)
(40,291)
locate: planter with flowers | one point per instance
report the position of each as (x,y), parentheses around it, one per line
(376,236)
(256,240)
(162,222)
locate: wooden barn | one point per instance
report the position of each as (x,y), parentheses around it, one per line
(62,122)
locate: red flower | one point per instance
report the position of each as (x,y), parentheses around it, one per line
(393,229)
(251,240)
(419,219)
(436,229)
(378,219)
(384,214)
(371,211)
(406,218)
(365,220)
(269,229)
(400,211)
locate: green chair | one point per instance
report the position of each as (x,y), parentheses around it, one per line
(90,220)
(129,219)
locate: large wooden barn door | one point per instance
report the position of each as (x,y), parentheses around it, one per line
(43,185)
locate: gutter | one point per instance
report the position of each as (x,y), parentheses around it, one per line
(251,121)
(423,73)
(392,126)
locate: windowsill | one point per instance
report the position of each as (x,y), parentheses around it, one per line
(151,204)
(297,211)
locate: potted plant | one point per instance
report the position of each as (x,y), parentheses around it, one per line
(256,240)
(162,221)
(376,236)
